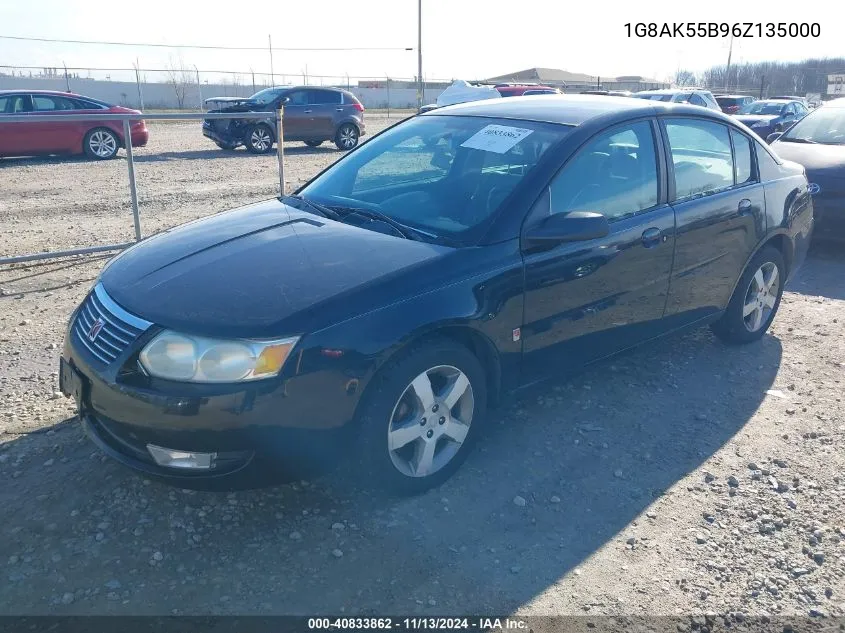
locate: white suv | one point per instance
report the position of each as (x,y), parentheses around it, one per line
(695,96)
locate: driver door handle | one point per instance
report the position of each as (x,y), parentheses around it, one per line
(744,206)
(307,111)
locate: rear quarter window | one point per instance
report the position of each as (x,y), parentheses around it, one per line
(767,165)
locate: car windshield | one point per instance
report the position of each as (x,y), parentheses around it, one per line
(825,125)
(267,95)
(439,174)
(762,107)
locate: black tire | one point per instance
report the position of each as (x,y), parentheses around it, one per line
(259,139)
(736,328)
(347,136)
(376,465)
(101,144)
(225,146)
(313,143)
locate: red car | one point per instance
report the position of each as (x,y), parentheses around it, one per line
(99,140)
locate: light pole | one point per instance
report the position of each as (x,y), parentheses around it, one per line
(728,69)
(419,55)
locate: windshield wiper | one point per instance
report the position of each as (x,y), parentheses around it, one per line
(405,231)
(797,139)
(320,209)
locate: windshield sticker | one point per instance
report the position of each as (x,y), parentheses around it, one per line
(496,138)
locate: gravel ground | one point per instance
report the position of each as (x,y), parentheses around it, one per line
(681,478)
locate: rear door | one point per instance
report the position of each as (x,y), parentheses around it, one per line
(585,300)
(719,207)
(16,139)
(326,106)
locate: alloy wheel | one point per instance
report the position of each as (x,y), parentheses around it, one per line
(260,139)
(348,137)
(102,144)
(430,421)
(761,296)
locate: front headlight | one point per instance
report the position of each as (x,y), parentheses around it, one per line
(198,359)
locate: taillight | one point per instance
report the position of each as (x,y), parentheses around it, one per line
(358,106)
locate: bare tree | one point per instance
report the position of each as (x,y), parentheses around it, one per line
(180,77)
(685,78)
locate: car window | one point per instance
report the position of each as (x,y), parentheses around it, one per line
(84,104)
(43,103)
(743,161)
(439,173)
(696,100)
(788,109)
(616,175)
(297,98)
(320,97)
(701,157)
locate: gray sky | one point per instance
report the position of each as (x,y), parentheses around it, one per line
(466,39)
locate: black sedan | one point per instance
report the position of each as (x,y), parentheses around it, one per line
(771,115)
(457,256)
(818,143)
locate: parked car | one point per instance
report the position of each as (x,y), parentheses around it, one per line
(378,311)
(541,91)
(609,93)
(771,115)
(802,100)
(818,143)
(312,115)
(703,98)
(518,90)
(731,104)
(99,140)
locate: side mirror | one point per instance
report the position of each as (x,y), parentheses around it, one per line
(575,226)
(284,101)
(771,138)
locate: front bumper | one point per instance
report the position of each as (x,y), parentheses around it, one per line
(260,433)
(829,211)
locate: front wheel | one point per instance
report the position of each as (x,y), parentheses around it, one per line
(425,411)
(346,137)
(101,144)
(259,139)
(755,300)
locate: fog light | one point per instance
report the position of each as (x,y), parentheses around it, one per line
(181,459)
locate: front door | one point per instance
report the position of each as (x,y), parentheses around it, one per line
(720,209)
(17,139)
(586,300)
(297,115)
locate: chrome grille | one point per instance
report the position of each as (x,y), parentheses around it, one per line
(104,328)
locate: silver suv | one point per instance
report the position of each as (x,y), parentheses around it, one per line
(695,96)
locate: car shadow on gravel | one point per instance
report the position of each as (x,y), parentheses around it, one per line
(563,470)
(821,273)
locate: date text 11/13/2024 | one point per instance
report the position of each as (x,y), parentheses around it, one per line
(418,624)
(723,29)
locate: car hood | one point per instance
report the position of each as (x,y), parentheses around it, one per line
(264,270)
(824,159)
(748,119)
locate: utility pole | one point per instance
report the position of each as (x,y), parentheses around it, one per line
(419,55)
(199,88)
(67,81)
(138,82)
(728,69)
(272,73)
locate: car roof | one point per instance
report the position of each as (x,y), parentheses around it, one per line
(571,110)
(733,96)
(668,91)
(60,93)
(835,103)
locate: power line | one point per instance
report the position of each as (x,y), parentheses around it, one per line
(198,46)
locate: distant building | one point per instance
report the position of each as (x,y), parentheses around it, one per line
(576,82)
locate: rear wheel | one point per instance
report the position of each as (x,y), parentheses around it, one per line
(101,144)
(313,143)
(259,139)
(346,137)
(422,417)
(755,300)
